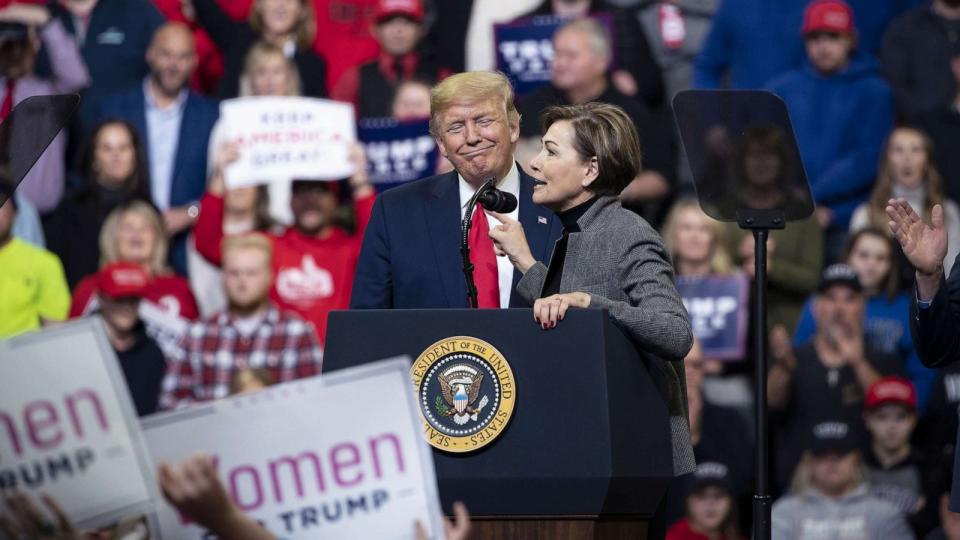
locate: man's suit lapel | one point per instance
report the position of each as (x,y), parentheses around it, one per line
(442,212)
(178,191)
(541,227)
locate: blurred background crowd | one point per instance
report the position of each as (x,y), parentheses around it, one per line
(129,203)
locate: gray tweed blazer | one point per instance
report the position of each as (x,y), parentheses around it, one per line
(621,262)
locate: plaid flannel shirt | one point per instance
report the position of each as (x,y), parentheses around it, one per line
(211,352)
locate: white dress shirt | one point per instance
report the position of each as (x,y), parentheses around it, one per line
(509,184)
(163,137)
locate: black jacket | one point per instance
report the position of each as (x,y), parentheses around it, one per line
(235,39)
(935,336)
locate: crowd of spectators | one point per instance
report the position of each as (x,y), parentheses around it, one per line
(128,206)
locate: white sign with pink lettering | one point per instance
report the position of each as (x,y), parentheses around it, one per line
(333,457)
(68,427)
(287,138)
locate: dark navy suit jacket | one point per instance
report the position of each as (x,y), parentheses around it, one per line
(190,162)
(410,257)
(934,332)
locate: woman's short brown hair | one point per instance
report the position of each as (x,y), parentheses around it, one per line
(605,132)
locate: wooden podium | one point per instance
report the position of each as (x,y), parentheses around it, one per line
(587,451)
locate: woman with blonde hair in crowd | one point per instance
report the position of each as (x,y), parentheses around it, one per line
(134,233)
(907,171)
(287,25)
(695,241)
(696,244)
(830,498)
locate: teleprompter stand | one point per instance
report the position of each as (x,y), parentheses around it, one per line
(747,169)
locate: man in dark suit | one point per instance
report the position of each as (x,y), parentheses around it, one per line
(174,123)
(411,250)
(935,310)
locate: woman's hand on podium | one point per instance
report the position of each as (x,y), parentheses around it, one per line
(549,311)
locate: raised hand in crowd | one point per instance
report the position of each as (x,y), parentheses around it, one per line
(784,362)
(28,14)
(925,246)
(195,490)
(25,520)
(227,153)
(458,529)
(360,181)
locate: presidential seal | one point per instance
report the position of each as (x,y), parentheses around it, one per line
(466,393)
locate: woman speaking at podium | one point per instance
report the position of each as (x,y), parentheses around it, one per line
(608,257)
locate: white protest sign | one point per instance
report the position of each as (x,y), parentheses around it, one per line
(286,138)
(68,427)
(332,457)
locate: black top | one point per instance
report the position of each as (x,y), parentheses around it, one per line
(555,270)
(913,485)
(143,367)
(943,127)
(724,438)
(819,394)
(630,48)
(656,137)
(236,38)
(73,229)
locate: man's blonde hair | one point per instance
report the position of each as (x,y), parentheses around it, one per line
(251,240)
(471,87)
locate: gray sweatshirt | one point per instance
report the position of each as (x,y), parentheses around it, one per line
(856,516)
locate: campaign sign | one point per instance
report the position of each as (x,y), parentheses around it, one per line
(284,138)
(68,427)
(718,308)
(333,457)
(397,152)
(525,51)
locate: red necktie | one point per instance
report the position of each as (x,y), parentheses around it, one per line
(7,104)
(484,261)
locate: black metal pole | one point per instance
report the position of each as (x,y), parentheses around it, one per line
(761,500)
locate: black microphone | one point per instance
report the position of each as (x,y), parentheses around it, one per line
(498,201)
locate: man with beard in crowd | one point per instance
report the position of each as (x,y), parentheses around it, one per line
(252,333)
(174,124)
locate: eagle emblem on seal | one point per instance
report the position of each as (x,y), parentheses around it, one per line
(460,387)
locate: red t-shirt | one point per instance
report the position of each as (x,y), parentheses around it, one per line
(681,531)
(312,276)
(170,292)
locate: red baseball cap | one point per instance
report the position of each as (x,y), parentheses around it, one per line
(393,8)
(828,16)
(123,280)
(888,390)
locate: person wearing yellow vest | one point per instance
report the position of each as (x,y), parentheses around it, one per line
(33,288)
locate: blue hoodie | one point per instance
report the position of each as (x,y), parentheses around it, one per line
(887,328)
(841,122)
(755,40)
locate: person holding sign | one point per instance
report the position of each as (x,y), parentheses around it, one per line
(608,257)
(410,257)
(253,332)
(314,260)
